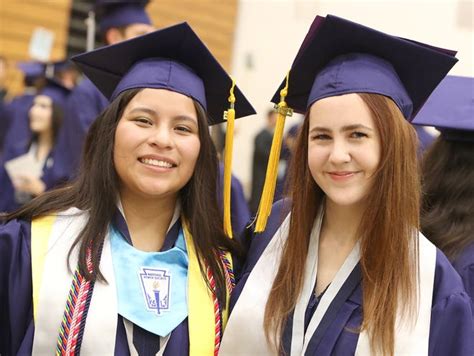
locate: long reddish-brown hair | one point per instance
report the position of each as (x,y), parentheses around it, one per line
(389,248)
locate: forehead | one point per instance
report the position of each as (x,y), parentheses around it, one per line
(137,29)
(341,110)
(163,101)
(43,99)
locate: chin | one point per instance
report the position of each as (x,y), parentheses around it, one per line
(345,199)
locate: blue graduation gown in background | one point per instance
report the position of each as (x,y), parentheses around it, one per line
(16,314)
(4,124)
(18,122)
(240,212)
(451,332)
(83,106)
(464,265)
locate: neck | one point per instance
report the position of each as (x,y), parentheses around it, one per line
(147,219)
(342,222)
(45,143)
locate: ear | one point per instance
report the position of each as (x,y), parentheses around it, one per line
(113,35)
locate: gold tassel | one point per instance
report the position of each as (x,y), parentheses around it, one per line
(229,115)
(266,200)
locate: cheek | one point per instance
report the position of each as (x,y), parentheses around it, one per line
(372,156)
(192,150)
(315,159)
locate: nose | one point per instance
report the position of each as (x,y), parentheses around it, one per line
(161,137)
(340,152)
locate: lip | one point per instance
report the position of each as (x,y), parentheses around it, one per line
(158,158)
(342,175)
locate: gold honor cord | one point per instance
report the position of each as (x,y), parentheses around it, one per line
(266,199)
(229,116)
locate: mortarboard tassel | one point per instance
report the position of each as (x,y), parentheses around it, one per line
(229,116)
(266,200)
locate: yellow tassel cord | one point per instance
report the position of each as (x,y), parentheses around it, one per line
(266,200)
(229,115)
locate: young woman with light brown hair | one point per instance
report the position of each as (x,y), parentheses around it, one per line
(341,268)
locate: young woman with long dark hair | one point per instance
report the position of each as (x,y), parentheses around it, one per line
(45,118)
(131,258)
(341,268)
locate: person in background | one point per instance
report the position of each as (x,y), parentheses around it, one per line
(4,121)
(118,21)
(64,72)
(340,268)
(45,118)
(447,214)
(132,257)
(3,76)
(16,120)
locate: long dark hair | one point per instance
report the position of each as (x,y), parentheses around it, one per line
(447,215)
(387,260)
(97,186)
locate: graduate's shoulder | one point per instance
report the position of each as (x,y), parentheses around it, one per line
(85,93)
(464,262)
(15,229)
(448,284)
(15,235)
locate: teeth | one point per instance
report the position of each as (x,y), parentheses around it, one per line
(157,163)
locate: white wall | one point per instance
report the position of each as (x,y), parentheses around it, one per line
(269,32)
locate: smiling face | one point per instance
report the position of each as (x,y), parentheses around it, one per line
(343,148)
(156,144)
(40,114)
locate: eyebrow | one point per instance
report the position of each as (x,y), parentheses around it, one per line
(343,128)
(143,109)
(154,113)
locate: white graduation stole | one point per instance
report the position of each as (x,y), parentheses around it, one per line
(245,334)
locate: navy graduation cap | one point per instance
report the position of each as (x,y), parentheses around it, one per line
(340,57)
(450,109)
(32,69)
(120,13)
(173,58)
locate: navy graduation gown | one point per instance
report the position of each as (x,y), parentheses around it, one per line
(451,331)
(16,314)
(464,265)
(18,122)
(240,212)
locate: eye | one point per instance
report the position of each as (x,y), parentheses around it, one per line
(320,137)
(183,128)
(143,121)
(358,135)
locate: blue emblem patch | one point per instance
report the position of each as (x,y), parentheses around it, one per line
(156,284)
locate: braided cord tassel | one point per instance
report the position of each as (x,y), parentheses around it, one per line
(230,283)
(217,312)
(75,313)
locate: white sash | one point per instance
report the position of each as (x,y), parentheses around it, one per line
(244,334)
